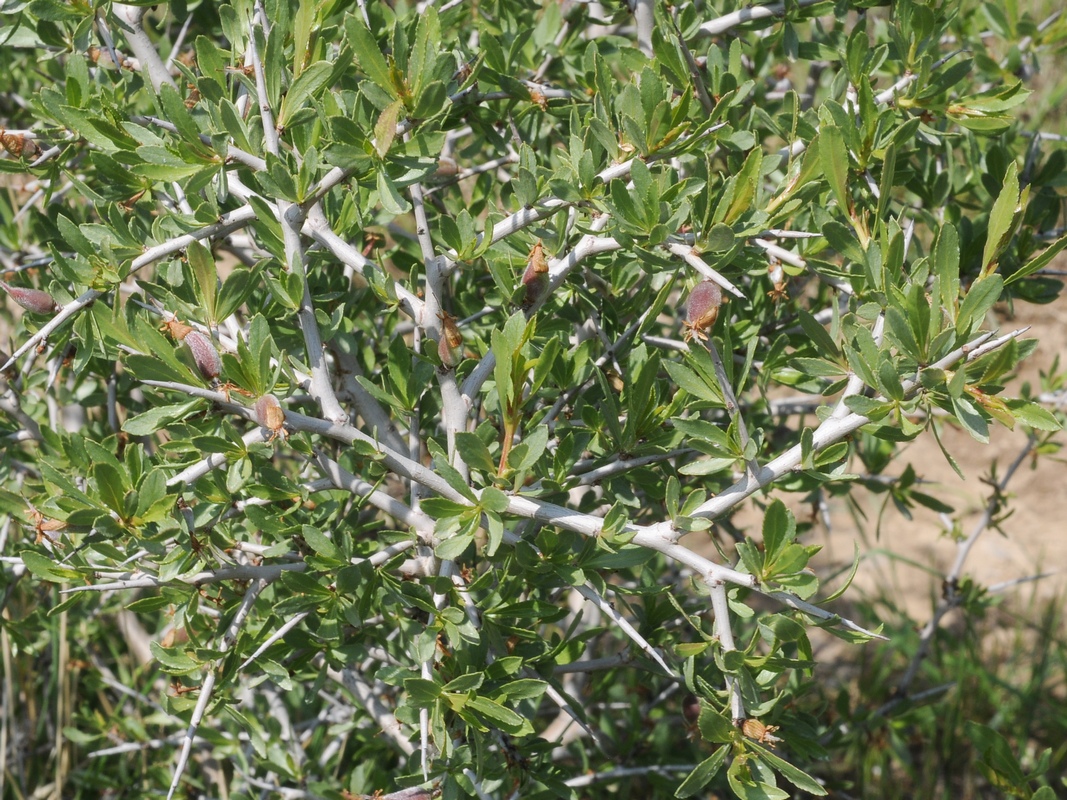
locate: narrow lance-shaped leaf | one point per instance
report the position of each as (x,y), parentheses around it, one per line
(1003,219)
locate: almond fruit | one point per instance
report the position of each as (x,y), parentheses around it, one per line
(33,300)
(204,354)
(702,309)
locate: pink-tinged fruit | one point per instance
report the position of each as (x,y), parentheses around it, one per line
(33,300)
(204,354)
(702,309)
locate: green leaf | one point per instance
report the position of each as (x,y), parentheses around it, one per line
(505,347)
(946,261)
(715,726)
(391,199)
(1040,261)
(818,368)
(890,380)
(1002,219)
(746,187)
(983,293)
(720,238)
(779,529)
(321,544)
(307,83)
(705,431)
(528,452)
(453,547)
(795,776)
(465,683)
(172,660)
(869,407)
(177,113)
(111,484)
(686,379)
(834,159)
(422,692)
(702,775)
(368,55)
(1033,415)
(818,335)
(202,264)
(160,417)
(497,716)
(46,568)
(843,239)
(473,451)
(995,752)
(968,416)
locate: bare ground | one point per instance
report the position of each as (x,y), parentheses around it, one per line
(910,557)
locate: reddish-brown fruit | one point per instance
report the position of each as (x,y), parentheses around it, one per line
(269,413)
(691,708)
(204,354)
(451,340)
(702,309)
(535,278)
(33,300)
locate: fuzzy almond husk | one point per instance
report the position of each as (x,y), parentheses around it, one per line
(204,354)
(33,300)
(702,307)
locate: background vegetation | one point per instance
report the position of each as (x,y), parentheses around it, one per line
(432,399)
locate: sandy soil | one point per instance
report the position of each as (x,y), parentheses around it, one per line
(907,559)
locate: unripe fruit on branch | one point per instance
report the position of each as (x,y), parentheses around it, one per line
(33,300)
(535,278)
(702,309)
(204,354)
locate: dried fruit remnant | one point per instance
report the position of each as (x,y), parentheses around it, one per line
(270,415)
(18,144)
(33,300)
(47,529)
(702,309)
(535,278)
(778,278)
(204,354)
(451,341)
(178,330)
(764,734)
